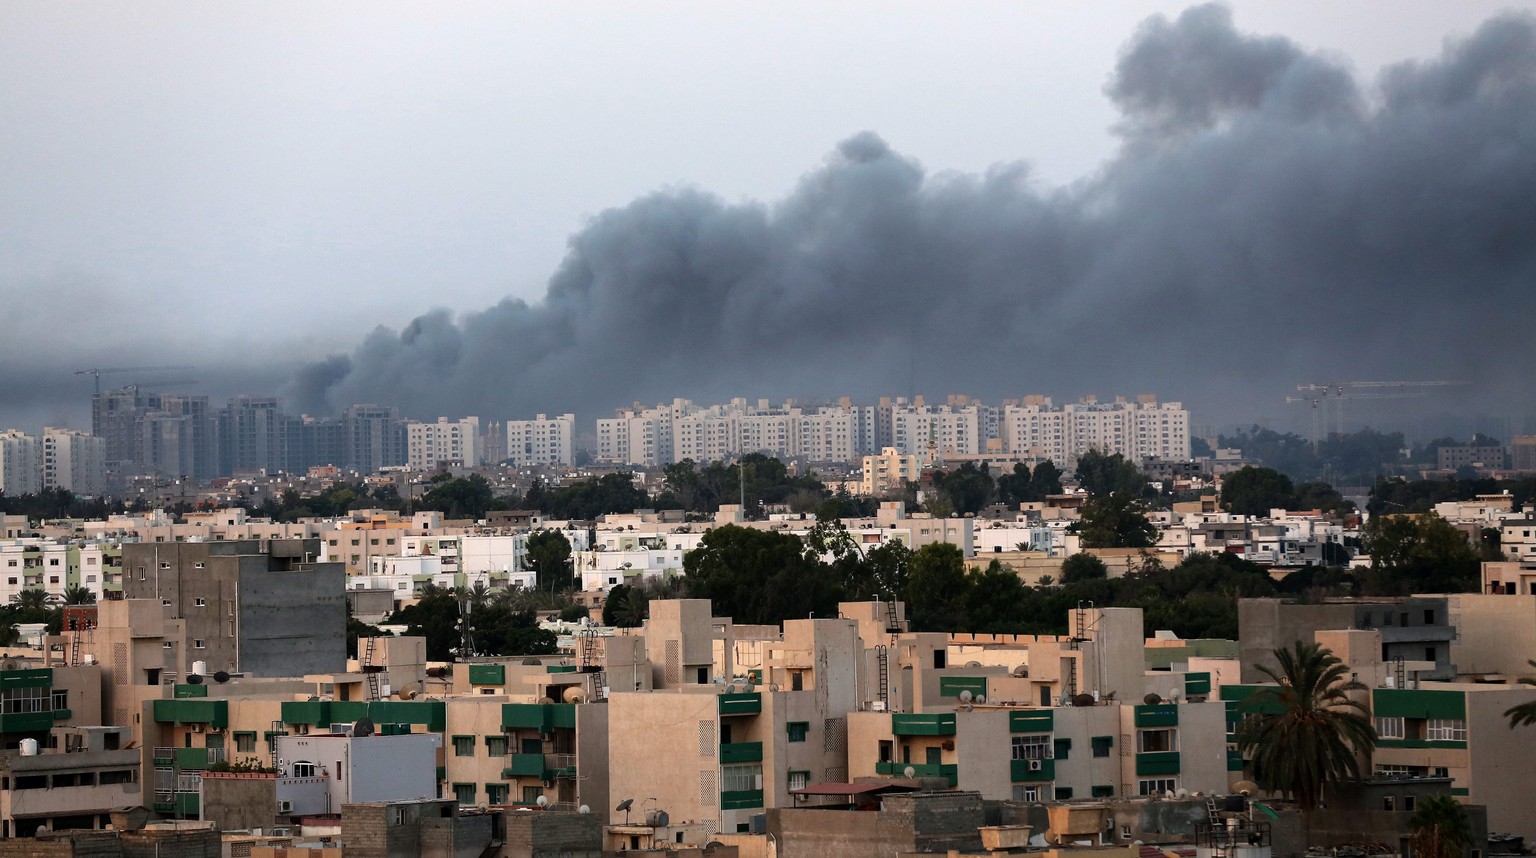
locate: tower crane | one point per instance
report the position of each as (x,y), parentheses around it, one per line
(98,372)
(1336,392)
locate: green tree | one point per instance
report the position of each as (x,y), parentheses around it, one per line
(1256,491)
(1303,734)
(1099,475)
(464,497)
(937,588)
(548,555)
(968,488)
(1082,567)
(1440,828)
(1044,481)
(992,600)
(1424,554)
(759,576)
(1116,520)
(75,594)
(624,607)
(31,599)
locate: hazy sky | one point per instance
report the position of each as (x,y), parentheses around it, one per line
(245,186)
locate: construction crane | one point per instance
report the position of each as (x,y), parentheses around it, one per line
(1336,392)
(98,372)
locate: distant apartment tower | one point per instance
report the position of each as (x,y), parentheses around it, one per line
(446,442)
(263,607)
(253,436)
(74,461)
(1478,454)
(544,440)
(638,435)
(177,438)
(923,430)
(888,472)
(1144,429)
(375,438)
(19,463)
(1522,452)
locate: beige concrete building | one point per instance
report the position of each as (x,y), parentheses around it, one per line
(888,472)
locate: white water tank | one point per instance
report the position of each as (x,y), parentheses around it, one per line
(29,747)
(200,668)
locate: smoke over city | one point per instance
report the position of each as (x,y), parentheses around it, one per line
(1270,219)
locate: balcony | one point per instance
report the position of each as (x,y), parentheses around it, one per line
(741,752)
(525,766)
(1157,715)
(745,799)
(183,805)
(948,771)
(1026,771)
(1157,763)
(741,703)
(214,713)
(935,724)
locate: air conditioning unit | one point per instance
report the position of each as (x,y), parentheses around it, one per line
(284,806)
(1036,765)
(197,728)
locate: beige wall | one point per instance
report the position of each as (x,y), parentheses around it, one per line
(1495,634)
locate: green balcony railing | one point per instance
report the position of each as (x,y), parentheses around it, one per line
(1032,770)
(1157,763)
(948,771)
(525,766)
(914,724)
(741,703)
(744,799)
(741,752)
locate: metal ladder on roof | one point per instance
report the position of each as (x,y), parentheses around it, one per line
(883,672)
(371,671)
(892,622)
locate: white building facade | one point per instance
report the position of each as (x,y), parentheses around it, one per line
(430,445)
(543,440)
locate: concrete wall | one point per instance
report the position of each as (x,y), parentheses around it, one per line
(1265,625)
(244,802)
(552,835)
(292,622)
(1496,634)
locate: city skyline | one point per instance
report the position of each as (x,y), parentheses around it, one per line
(1252,204)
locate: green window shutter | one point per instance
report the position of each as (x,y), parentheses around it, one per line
(797,730)
(1062,748)
(1102,744)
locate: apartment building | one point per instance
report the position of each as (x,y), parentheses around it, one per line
(544,440)
(430,446)
(264,608)
(888,472)
(20,463)
(74,461)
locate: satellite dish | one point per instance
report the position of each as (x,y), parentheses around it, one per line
(409,690)
(1021,671)
(973,664)
(530,661)
(1168,794)
(194,679)
(1245,787)
(584,809)
(981,698)
(221,676)
(626,804)
(542,801)
(965,696)
(909,772)
(1181,792)
(362,727)
(1152,699)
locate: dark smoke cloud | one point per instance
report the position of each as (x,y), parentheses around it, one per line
(1269,220)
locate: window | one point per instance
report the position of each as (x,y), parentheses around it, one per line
(201,603)
(1031,747)
(198,644)
(1156,786)
(1389,728)
(303,769)
(1429,617)
(463,746)
(1408,803)
(1156,741)
(496,746)
(245,743)
(1103,791)
(1429,653)
(1062,747)
(797,730)
(1389,803)
(1026,792)
(496,793)
(464,793)
(1394,771)
(1102,744)
(1446,730)
(199,565)
(741,778)
(1063,793)
(798,780)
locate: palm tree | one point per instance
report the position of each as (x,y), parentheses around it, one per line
(1440,828)
(31,599)
(75,594)
(1304,735)
(1523,715)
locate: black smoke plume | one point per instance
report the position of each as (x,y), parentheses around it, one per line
(1269,219)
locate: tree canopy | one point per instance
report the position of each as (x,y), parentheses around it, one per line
(1100,474)
(547,554)
(1256,491)
(1116,520)
(1423,554)
(496,627)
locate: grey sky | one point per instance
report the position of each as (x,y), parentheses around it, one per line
(240,185)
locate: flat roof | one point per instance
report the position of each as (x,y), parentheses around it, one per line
(850,789)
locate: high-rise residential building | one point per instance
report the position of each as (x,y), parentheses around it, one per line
(19,463)
(888,472)
(117,418)
(1035,428)
(544,440)
(933,431)
(178,438)
(253,436)
(1144,429)
(639,435)
(375,438)
(433,445)
(74,461)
